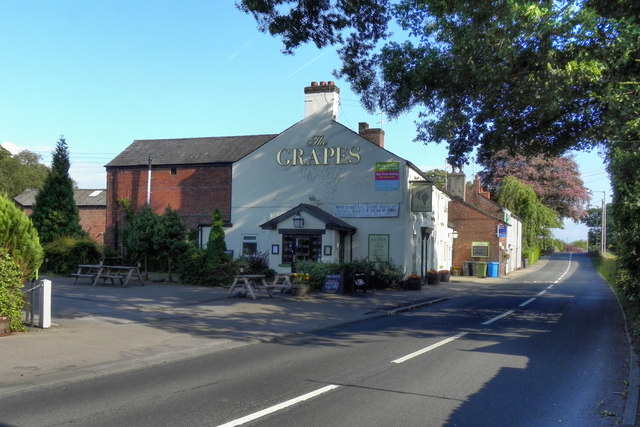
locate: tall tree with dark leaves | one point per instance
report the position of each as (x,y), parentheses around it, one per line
(556,180)
(170,239)
(55,213)
(491,75)
(139,236)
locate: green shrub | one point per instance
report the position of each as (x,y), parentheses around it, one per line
(379,275)
(390,275)
(65,253)
(19,239)
(192,266)
(256,263)
(316,272)
(11,300)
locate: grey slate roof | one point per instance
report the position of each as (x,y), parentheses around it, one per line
(185,151)
(331,222)
(83,198)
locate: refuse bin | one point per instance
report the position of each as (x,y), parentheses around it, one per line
(474,268)
(526,262)
(493,268)
(482,269)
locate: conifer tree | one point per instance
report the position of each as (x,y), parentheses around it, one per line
(55,213)
(216,247)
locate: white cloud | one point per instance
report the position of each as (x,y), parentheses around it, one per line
(11,147)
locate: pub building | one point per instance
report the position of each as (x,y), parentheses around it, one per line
(318,191)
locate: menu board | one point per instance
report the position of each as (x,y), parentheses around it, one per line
(332,283)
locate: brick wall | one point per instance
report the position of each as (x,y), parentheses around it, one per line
(193,191)
(472,225)
(92,220)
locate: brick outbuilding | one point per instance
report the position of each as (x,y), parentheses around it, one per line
(91,209)
(487,232)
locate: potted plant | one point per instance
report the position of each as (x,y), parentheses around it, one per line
(457,271)
(433,277)
(414,282)
(301,284)
(445,275)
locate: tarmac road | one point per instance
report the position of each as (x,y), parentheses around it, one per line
(103,329)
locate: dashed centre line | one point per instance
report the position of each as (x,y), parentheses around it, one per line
(488,322)
(431,347)
(272,409)
(315,393)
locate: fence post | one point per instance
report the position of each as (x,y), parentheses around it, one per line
(44,308)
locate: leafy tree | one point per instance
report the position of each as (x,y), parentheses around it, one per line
(19,239)
(493,75)
(55,213)
(22,171)
(11,299)
(20,257)
(593,220)
(140,236)
(438,176)
(582,244)
(537,219)
(216,246)
(170,238)
(556,180)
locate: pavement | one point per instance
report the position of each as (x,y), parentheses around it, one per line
(98,330)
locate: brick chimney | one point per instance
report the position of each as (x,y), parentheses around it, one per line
(478,188)
(375,135)
(322,98)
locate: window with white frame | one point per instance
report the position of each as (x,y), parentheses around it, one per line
(249,244)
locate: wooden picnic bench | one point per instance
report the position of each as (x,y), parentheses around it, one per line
(122,273)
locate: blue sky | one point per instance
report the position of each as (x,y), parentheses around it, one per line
(106,72)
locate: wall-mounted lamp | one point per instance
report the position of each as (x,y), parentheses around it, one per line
(454,234)
(298,220)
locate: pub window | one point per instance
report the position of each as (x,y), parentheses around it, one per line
(249,244)
(174,171)
(303,247)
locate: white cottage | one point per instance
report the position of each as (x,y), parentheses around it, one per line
(323,192)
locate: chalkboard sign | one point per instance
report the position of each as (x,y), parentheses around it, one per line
(480,249)
(332,283)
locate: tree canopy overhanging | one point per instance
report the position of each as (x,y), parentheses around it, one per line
(535,77)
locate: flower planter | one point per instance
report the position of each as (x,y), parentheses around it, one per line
(414,284)
(5,325)
(444,277)
(300,289)
(433,278)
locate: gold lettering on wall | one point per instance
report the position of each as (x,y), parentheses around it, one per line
(318,153)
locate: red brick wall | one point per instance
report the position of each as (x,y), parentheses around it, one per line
(92,220)
(193,191)
(472,226)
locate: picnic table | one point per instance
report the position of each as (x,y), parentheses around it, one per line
(95,272)
(249,284)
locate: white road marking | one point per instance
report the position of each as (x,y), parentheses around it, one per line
(431,347)
(488,322)
(279,406)
(527,302)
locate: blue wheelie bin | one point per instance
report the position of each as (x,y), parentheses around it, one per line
(493,269)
